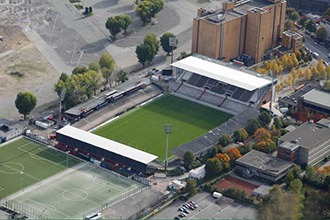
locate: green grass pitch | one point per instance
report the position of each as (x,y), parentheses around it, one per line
(24,162)
(143,128)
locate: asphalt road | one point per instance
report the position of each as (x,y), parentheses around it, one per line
(321,50)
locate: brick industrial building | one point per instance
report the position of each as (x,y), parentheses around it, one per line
(240,27)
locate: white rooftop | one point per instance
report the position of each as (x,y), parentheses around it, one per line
(318,97)
(107,144)
(222,73)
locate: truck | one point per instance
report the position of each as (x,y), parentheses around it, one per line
(42,124)
(217,195)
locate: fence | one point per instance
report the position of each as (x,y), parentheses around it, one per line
(22,209)
(115,201)
(38,138)
(141,180)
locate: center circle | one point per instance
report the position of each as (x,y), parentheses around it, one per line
(11,168)
(74,194)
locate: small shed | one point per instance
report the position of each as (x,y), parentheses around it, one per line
(197,173)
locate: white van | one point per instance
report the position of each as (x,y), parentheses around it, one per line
(316,55)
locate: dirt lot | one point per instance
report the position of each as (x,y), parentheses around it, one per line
(18,54)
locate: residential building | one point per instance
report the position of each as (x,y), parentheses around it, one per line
(308,144)
(292,40)
(259,165)
(240,27)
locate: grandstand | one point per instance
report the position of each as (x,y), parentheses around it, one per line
(218,84)
(103,152)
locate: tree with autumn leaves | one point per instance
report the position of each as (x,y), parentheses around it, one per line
(264,141)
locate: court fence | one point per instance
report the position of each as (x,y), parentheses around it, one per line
(115,201)
(23,209)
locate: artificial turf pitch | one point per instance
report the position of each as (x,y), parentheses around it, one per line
(24,163)
(143,128)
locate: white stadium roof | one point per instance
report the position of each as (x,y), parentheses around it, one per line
(107,144)
(222,73)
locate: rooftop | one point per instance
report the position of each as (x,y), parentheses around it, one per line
(220,72)
(293,99)
(107,144)
(307,135)
(317,97)
(263,161)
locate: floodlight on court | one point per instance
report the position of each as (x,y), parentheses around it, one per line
(168,131)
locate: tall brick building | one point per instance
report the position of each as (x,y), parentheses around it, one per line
(240,27)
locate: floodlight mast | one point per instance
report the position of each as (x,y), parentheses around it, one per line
(168,131)
(62,96)
(173,43)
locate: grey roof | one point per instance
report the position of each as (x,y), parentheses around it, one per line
(293,99)
(262,190)
(325,122)
(107,144)
(307,135)
(318,98)
(264,162)
(211,137)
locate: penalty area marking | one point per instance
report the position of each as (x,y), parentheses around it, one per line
(78,195)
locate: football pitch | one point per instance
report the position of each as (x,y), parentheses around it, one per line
(143,128)
(24,163)
(79,191)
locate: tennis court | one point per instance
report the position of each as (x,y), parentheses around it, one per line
(75,193)
(24,163)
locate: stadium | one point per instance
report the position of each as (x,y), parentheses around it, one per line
(201,87)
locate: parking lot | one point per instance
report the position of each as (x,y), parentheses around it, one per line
(210,208)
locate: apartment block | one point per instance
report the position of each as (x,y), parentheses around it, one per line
(240,27)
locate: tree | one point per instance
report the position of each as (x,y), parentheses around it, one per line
(188,159)
(288,25)
(94,80)
(327,12)
(264,118)
(165,42)
(114,25)
(152,40)
(294,16)
(121,76)
(224,159)
(191,187)
(157,6)
(321,34)
(240,135)
(278,122)
(262,134)
(125,21)
(327,72)
(311,26)
(90,10)
(300,73)
(25,103)
(267,146)
(144,11)
(296,186)
(308,74)
(107,65)
(321,69)
(225,139)
(79,70)
(326,85)
(280,205)
(213,167)
(252,126)
(233,154)
(143,51)
(94,65)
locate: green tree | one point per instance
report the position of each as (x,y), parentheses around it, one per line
(191,187)
(144,11)
(225,139)
(94,65)
(188,159)
(25,103)
(252,126)
(240,135)
(121,76)
(294,16)
(321,33)
(264,118)
(165,42)
(311,26)
(114,25)
(107,65)
(157,6)
(296,186)
(79,70)
(327,72)
(152,40)
(94,80)
(143,52)
(125,21)
(213,167)
(278,123)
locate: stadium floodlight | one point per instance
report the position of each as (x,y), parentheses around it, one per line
(168,131)
(172,43)
(67,158)
(61,96)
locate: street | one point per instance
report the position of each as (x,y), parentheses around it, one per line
(321,50)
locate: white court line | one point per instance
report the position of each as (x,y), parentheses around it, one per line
(48,206)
